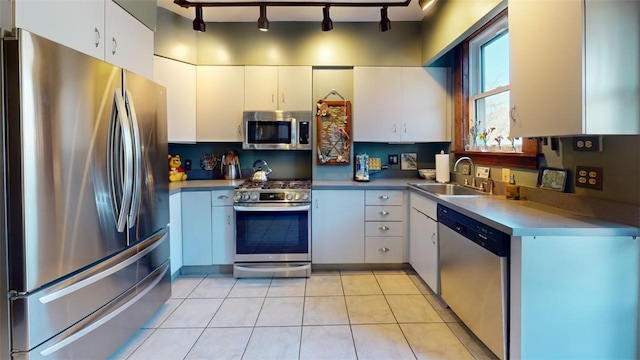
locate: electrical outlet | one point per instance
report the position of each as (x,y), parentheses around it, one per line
(393,159)
(589,177)
(587,143)
(506,174)
(187,164)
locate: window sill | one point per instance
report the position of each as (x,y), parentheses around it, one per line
(528,160)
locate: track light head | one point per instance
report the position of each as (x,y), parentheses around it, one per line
(425,4)
(263,22)
(198,22)
(327,23)
(385,23)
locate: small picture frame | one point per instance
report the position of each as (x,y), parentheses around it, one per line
(552,179)
(409,161)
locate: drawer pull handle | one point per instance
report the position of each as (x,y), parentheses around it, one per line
(222,197)
(383,249)
(384,197)
(383,228)
(384,212)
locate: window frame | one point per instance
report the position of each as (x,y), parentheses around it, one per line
(462,73)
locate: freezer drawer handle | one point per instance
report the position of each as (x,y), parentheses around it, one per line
(158,275)
(101,275)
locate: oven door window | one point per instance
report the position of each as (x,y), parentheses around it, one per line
(269,132)
(279,232)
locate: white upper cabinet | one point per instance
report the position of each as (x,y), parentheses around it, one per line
(577,74)
(76,24)
(180,80)
(98,28)
(220,103)
(400,104)
(278,88)
(424,104)
(128,42)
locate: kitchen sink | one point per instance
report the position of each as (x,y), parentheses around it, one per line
(448,189)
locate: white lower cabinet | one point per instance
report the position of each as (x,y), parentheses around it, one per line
(196,228)
(337,231)
(384,226)
(175,231)
(423,240)
(222,227)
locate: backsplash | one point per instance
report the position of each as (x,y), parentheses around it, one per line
(285,164)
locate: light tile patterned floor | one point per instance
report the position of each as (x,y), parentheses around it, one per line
(331,315)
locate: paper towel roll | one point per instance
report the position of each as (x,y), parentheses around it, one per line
(442,167)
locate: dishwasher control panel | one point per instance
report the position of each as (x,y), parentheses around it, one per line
(484,235)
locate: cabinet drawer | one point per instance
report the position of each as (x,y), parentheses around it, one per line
(383,228)
(384,213)
(221,197)
(383,197)
(383,249)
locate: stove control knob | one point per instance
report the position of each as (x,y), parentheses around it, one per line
(297,197)
(237,197)
(289,196)
(254,196)
(305,196)
(245,196)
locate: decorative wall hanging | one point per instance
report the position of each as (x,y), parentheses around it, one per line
(334,129)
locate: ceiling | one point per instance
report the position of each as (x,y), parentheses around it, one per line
(308,13)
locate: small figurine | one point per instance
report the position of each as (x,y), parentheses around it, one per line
(176,172)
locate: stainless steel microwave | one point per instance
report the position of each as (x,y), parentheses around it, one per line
(277,130)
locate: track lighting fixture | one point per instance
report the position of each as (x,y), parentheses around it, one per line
(198,22)
(385,23)
(263,22)
(327,23)
(425,4)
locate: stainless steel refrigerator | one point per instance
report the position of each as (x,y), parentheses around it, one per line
(84,243)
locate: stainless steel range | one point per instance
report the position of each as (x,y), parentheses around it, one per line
(273,232)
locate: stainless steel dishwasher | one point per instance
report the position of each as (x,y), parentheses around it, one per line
(474,276)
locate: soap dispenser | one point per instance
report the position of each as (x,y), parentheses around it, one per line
(513,190)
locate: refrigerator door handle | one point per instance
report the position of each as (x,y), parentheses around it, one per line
(120,161)
(137,160)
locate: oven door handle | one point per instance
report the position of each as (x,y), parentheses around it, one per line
(305,207)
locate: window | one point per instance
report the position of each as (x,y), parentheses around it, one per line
(482,117)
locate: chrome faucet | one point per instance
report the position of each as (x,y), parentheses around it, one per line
(472,170)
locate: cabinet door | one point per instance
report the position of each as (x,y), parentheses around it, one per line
(260,88)
(180,80)
(424,105)
(546,67)
(175,231)
(196,228)
(128,42)
(220,103)
(337,231)
(76,24)
(223,246)
(423,248)
(294,88)
(377,103)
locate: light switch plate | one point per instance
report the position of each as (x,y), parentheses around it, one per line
(506,174)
